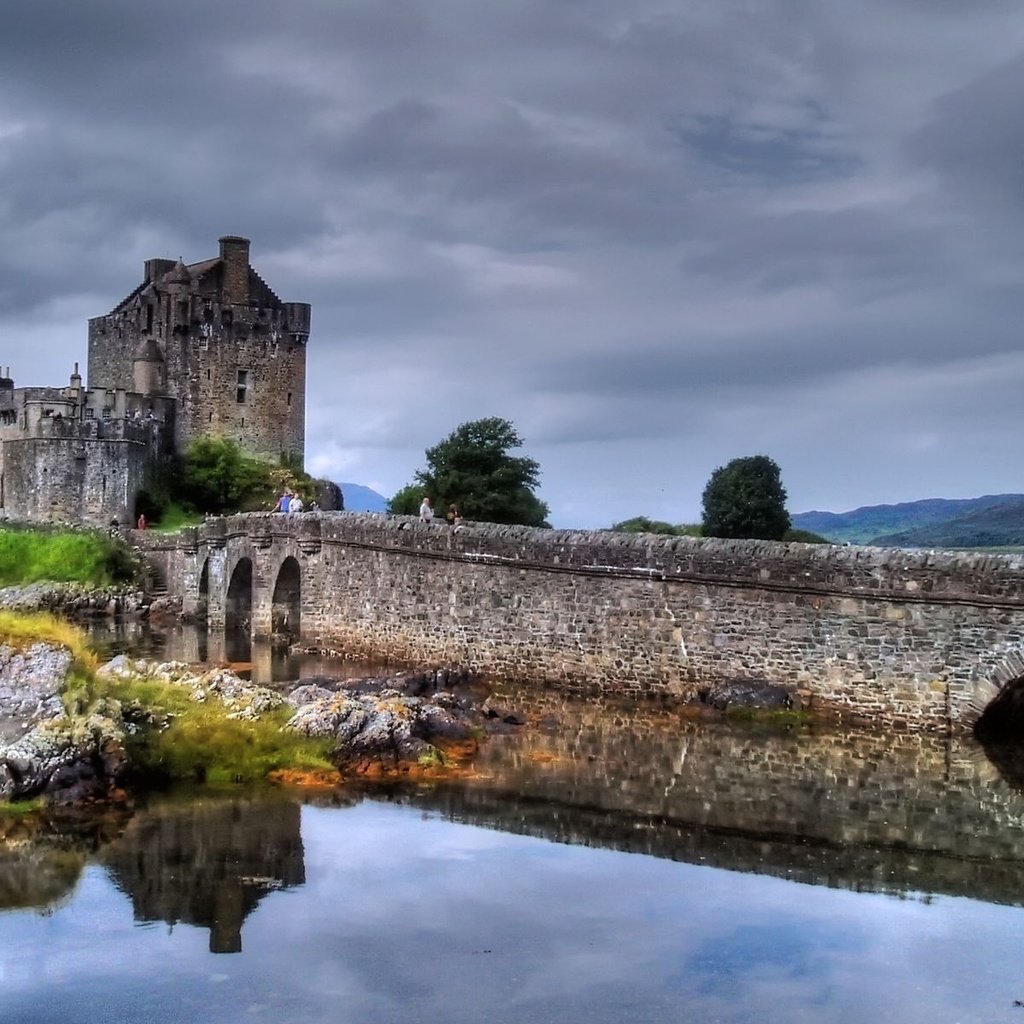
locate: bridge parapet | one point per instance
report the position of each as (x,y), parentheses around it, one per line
(908,637)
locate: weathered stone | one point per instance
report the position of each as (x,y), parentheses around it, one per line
(747,693)
(630,616)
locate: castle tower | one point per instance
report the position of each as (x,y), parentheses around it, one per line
(214,337)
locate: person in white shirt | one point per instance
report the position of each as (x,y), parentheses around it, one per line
(296,504)
(426,512)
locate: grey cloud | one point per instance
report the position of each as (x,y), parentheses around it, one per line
(623,229)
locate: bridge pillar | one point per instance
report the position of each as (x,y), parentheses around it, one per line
(262,589)
(216,608)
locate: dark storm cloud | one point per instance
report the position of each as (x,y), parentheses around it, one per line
(658,234)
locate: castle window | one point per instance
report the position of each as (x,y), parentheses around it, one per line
(289,399)
(149,318)
(243,386)
(183,309)
(207,374)
(243,421)
(227,317)
(211,417)
(106,412)
(89,413)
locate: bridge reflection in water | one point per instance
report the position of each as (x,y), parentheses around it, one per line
(910,814)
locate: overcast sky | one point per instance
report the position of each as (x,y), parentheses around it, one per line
(654,235)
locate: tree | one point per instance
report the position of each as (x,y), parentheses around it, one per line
(472,468)
(216,476)
(406,502)
(746,499)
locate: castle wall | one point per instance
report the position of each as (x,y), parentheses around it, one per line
(73,479)
(269,420)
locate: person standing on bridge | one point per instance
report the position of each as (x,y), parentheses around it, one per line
(426,512)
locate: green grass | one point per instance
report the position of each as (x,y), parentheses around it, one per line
(88,557)
(180,740)
(21,808)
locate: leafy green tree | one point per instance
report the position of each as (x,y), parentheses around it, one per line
(406,502)
(746,499)
(217,476)
(472,468)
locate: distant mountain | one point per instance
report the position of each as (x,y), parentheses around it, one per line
(865,525)
(998,526)
(362,499)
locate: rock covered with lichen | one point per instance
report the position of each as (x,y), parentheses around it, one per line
(387,729)
(45,750)
(242,699)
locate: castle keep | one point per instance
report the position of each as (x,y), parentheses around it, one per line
(204,348)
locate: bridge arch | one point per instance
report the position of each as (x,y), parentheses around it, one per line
(286,603)
(999,701)
(238,606)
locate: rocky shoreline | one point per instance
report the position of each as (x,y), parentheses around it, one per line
(74,600)
(392,725)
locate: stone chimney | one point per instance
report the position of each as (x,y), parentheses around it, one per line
(155,269)
(234,254)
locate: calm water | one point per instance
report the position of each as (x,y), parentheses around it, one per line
(601,866)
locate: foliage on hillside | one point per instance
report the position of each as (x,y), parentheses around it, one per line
(641,524)
(91,557)
(472,468)
(999,525)
(216,477)
(870,523)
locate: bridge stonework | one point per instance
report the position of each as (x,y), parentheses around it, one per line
(914,639)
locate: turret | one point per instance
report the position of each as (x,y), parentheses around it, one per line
(148,370)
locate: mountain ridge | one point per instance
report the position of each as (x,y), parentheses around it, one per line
(359,498)
(902,524)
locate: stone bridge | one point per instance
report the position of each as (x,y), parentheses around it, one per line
(912,639)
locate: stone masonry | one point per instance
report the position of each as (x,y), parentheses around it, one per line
(205,348)
(911,639)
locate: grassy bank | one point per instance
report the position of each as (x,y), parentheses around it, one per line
(180,740)
(174,738)
(88,557)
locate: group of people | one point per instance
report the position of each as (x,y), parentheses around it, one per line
(292,502)
(452,518)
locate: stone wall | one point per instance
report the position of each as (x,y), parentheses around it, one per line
(911,639)
(74,479)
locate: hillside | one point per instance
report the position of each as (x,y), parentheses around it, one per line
(867,524)
(998,526)
(362,499)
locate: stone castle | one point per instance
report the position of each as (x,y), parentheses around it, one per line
(204,348)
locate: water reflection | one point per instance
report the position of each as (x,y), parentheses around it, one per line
(208,863)
(263,661)
(382,904)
